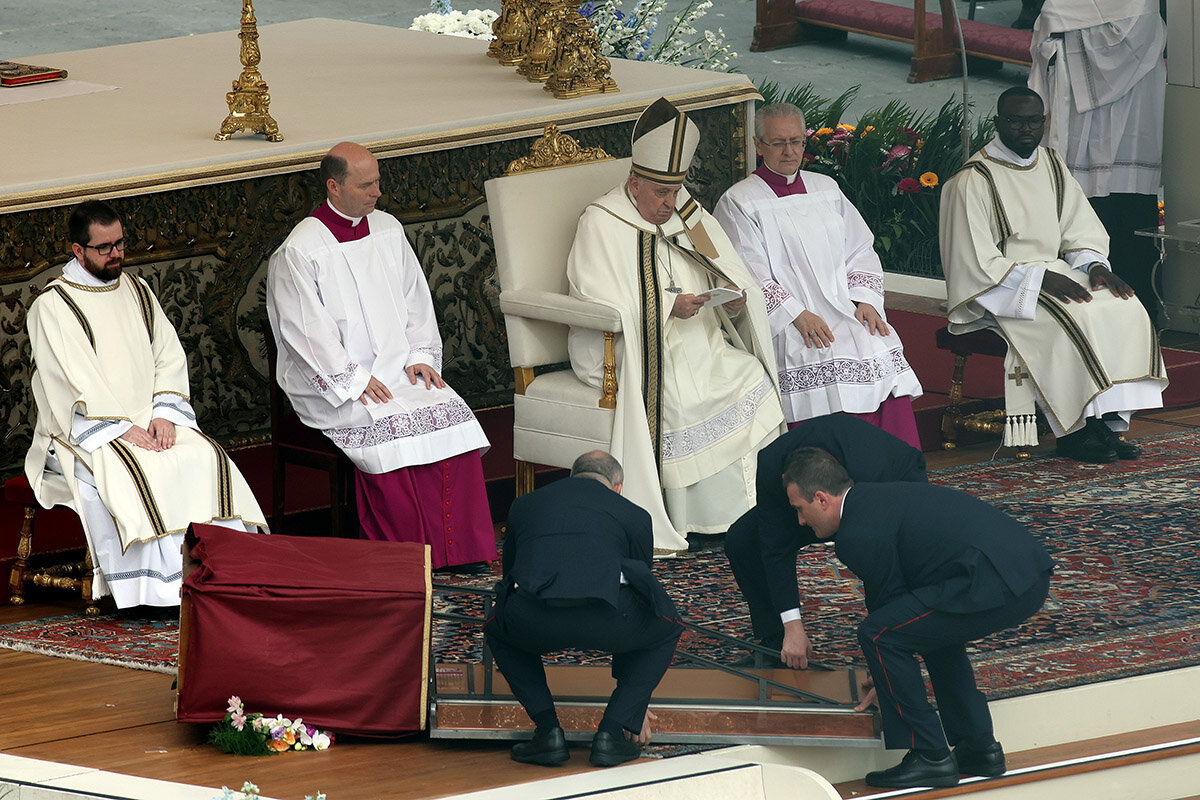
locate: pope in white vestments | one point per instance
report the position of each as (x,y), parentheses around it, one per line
(116,437)
(697,396)
(813,255)
(360,359)
(1023,252)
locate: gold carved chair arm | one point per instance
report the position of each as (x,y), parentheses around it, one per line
(566,310)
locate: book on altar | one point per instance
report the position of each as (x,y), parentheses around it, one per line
(720,296)
(14,74)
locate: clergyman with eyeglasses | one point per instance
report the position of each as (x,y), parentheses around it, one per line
(1024,253)
(116,437)
(814,256)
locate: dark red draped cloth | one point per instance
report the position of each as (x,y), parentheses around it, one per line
(335,631)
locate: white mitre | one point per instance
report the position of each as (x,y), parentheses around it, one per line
(664,141)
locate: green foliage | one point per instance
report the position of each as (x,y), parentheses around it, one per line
(891,166)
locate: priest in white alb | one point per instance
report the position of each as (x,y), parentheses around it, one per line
(116,437)
(697,396)
(1024,253)
(814,257)
(1098,65)
(360,359)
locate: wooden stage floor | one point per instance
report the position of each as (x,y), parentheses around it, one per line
(123,720)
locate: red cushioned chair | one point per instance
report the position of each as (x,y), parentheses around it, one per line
(293,442)
(65,536)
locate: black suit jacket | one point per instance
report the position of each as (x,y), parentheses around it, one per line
(574,539)
(952,550)
(868,454)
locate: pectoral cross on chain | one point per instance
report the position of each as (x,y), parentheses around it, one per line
(1018,375)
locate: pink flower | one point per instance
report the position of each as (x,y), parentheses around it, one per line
(238,720)
(235,704)
(899,151)
(909,185)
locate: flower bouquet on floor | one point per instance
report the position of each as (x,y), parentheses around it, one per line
(245,734)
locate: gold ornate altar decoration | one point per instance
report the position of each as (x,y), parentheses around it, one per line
(204,251)
(555,149)
(551,42)
(250,100)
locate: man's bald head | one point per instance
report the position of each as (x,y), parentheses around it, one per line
(350,175)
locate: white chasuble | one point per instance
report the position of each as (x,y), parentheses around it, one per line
(696,407)
(814,252)
(343,312)
(1002,221)
(106,358)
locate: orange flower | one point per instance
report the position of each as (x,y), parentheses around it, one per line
(846,127)
(823,131)
(929,180)
(866,130)
(278,745)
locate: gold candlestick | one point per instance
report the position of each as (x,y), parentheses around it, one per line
(250,99)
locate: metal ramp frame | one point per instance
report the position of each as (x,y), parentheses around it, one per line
(708,703)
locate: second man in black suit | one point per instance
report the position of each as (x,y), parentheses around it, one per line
(940,568)
(577,576)
(763,543)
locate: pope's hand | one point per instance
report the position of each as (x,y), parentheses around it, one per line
(686,305)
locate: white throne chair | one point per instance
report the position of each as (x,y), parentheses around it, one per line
(534,210)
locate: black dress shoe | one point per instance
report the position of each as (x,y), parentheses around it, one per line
(1124,450)
(548,748)
(916,770)
(609,750)
(1083,446)
(988,762)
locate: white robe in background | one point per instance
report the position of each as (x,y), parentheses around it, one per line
(342,312)
(814,252)
(1003,224)
(720,403)
(106,358)
(1105,92)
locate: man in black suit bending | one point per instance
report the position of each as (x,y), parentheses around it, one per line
(763,543)
(577,575)
(940,568)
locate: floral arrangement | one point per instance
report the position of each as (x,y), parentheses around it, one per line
(250,792)
(634,35)
(891,165)
(245,734)
(442,18)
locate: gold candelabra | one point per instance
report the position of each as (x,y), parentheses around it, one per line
(250,100)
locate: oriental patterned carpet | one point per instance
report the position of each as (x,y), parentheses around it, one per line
(107,639)
(1124,537)
(1122,600)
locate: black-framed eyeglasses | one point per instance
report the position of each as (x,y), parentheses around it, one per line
(1024,122)
(108,247)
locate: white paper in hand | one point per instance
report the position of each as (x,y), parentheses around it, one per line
(720,296)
